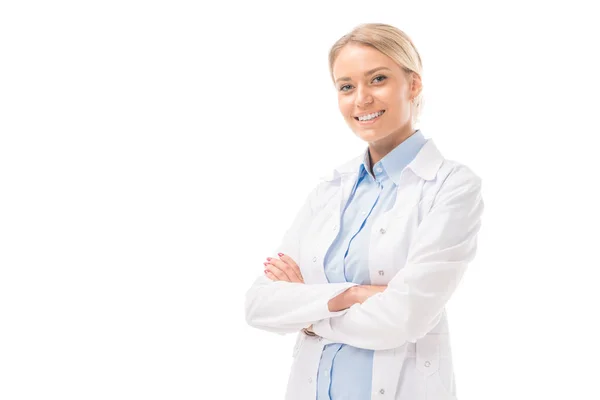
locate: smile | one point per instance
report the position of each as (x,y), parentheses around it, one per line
(369,118)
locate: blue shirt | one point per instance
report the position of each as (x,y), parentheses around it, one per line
(345,372)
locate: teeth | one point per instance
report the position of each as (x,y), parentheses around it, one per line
(370,116)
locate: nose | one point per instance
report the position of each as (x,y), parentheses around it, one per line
(363,97)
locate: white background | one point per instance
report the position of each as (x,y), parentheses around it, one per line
(153,153)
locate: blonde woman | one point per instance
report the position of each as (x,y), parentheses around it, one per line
(363,274)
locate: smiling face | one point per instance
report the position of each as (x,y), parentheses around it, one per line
(371,85)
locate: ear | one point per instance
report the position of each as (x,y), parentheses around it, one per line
(415,84)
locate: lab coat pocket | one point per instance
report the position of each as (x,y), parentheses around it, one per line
(435,366)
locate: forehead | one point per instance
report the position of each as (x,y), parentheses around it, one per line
(354,60)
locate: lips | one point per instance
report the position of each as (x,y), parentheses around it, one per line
(370,120)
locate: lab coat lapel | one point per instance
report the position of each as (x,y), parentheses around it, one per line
(332,226)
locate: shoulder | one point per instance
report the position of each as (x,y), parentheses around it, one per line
(456,183)
(452,172)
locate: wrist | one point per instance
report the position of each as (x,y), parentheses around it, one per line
(309,331)
(352,295)
(342,300)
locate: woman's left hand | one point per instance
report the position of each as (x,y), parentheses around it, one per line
(283,269)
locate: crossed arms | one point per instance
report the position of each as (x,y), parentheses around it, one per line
(414,300)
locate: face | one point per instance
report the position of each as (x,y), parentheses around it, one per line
(370,84)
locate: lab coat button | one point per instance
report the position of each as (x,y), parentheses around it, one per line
(382,231)
(314,259)
(427,363)
(334,227)
(382,391)
(381,272)
(309,380)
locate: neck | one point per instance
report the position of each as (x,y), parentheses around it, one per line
(379,149)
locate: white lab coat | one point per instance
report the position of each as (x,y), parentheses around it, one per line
(420,248)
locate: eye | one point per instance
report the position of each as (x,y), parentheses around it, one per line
(381,77)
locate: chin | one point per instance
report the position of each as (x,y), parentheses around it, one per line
(369,136)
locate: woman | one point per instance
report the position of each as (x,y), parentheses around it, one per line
(364,272)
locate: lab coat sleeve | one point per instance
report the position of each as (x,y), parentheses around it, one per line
(414,301)
(286,307)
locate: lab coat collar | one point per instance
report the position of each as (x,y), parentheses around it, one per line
(426,164)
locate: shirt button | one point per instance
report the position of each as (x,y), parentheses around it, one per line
(382,391)
(314,259)
(382,231)
(381,272)
(378,170)
(427,363)
(326,373)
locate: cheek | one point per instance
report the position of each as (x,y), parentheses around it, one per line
(396,103)
(389,95)
(346,106)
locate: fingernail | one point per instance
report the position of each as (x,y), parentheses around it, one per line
(265,264)
(279,254)
(268,258)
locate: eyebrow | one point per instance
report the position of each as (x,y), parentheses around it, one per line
(369,72)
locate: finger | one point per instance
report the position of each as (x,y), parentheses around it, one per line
(295,268)
(279,274)
(280,269)
(270,275)
(289,267)
(285,268)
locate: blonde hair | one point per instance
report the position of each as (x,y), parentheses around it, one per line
(390,41)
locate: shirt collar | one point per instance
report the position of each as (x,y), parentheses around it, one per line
(425,164)
(394,162)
